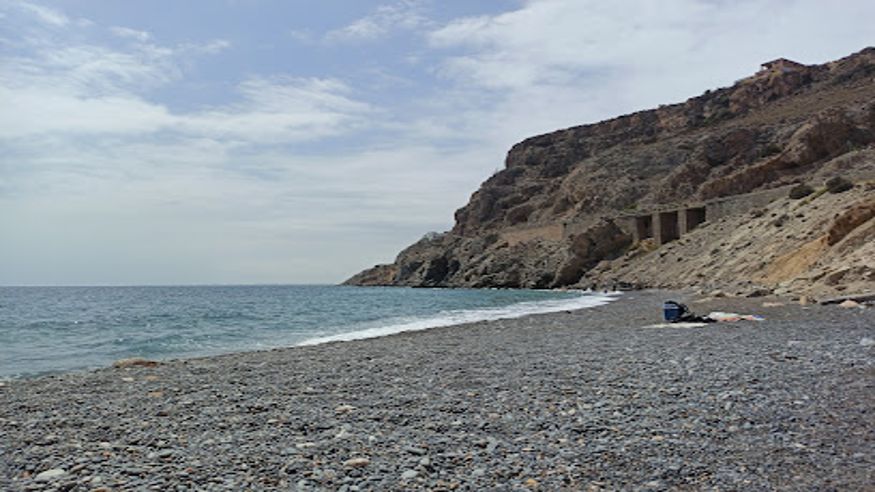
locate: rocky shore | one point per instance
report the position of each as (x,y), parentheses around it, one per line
(785,157)
(585,400)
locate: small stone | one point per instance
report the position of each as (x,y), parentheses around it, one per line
(531,483)
(357,462)
(759,292)
(50,475)
(425,461)
(344,409)
(415,450)
(478,472)
(165,453)
(867,342)
(409,475)
(850,304)
(134,362)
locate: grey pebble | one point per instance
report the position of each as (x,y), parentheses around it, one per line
(555,402)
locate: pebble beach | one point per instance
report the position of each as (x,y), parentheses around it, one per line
(594,399)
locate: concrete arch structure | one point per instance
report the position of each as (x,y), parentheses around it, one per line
(664,225)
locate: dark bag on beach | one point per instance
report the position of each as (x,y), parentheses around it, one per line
(675,312)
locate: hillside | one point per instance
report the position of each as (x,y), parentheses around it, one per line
(562,211)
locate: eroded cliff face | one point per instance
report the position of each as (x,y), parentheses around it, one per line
(551,215)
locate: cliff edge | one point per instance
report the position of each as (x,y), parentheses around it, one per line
(742,188)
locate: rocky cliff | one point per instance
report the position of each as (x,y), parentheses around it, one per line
(553,217)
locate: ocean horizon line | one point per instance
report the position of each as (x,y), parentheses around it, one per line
(122,285)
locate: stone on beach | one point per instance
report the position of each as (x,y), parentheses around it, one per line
(547,402)
(344,408)
(134,362)
(357,462)
(415,450)
(50,475)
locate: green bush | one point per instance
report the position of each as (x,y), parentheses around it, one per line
(770,150)
(838,184)
(800,191)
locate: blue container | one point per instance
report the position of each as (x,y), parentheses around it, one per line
(672,311)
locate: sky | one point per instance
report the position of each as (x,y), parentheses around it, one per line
(282,141)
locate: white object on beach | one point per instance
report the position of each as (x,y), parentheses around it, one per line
(49,475)
(677,325)
(357,462)
(721,316)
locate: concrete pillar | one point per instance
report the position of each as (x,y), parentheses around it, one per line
(690,218)
(665,227)
(643,228)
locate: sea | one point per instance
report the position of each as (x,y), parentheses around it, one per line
(54,329)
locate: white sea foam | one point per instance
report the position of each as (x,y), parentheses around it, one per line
(458,317)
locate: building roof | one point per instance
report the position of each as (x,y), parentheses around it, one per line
(782,61)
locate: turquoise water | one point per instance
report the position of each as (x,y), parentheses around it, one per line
(46,329)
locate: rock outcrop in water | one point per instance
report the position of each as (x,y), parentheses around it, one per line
(557,214)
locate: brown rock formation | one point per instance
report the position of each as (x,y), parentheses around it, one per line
(549,218)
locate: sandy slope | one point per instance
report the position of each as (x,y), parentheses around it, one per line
(821,245)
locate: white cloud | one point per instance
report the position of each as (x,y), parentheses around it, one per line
(196,209)
(306,178)
(41,110)
(85,89)
(402,15)
(126,32)
(556,63)
(213,47)
(44,14)
(96,161)
(91,70)
(280,110)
